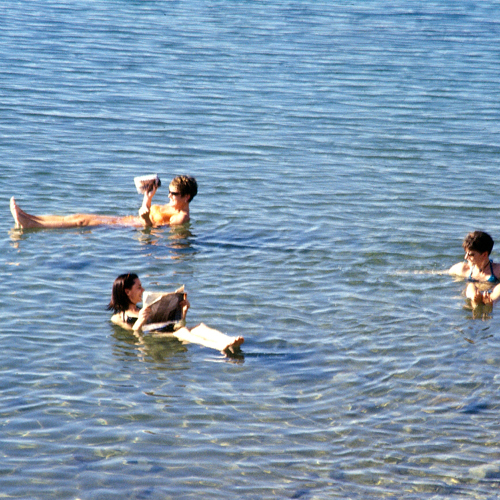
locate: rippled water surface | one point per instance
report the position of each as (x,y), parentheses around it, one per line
(342,150)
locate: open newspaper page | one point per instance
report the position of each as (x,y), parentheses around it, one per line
(166,312)
(146,183)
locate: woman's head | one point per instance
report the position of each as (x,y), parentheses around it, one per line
(478,241)
(185,185)
(127,290)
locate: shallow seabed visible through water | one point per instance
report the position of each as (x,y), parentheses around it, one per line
(342,150)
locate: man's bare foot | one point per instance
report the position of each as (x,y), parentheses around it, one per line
(15,211)
(21,218)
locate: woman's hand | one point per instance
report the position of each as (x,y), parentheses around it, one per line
(487,298)
(473,294)
(478,297)
(185,306)
(491,296)
(143,317)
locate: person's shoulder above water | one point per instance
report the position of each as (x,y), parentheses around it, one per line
(162,215)
(124,320)
(460,269)
(496,269)
(181,191)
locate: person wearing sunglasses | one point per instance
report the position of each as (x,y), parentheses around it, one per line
(482,274)
(182,190)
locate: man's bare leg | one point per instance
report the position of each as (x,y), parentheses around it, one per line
(28,221)
(22,219)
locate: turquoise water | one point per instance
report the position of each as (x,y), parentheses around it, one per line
(342,150)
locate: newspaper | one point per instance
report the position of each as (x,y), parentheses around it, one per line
(146,183)
(166,312)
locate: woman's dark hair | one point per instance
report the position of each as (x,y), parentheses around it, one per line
(119,299)
(478,241)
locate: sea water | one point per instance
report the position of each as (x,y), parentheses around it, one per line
(342,150)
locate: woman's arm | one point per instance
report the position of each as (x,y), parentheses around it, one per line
(142,319)
(474,295)
(492,296)
(496,269)
(185,305)
(461,269)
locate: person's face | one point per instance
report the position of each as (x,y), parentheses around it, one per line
(134,293)
(475,258)
(176,199)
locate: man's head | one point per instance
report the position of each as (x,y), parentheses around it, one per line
(184,185)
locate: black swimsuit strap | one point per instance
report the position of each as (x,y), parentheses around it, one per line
(130,320)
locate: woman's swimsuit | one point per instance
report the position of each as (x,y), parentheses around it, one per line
(169,326)
(492,279)
(130,320)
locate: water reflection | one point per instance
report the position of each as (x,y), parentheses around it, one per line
(18,235)
(177,240)
(159,348)
(15,236)
(146,348)
(478,311)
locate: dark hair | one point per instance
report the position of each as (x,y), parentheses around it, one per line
(186,185)
(478,241)
(119,299)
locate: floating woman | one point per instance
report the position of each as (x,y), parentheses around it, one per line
(127,293)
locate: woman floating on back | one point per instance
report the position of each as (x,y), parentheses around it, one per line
(127,293)
(181,191)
